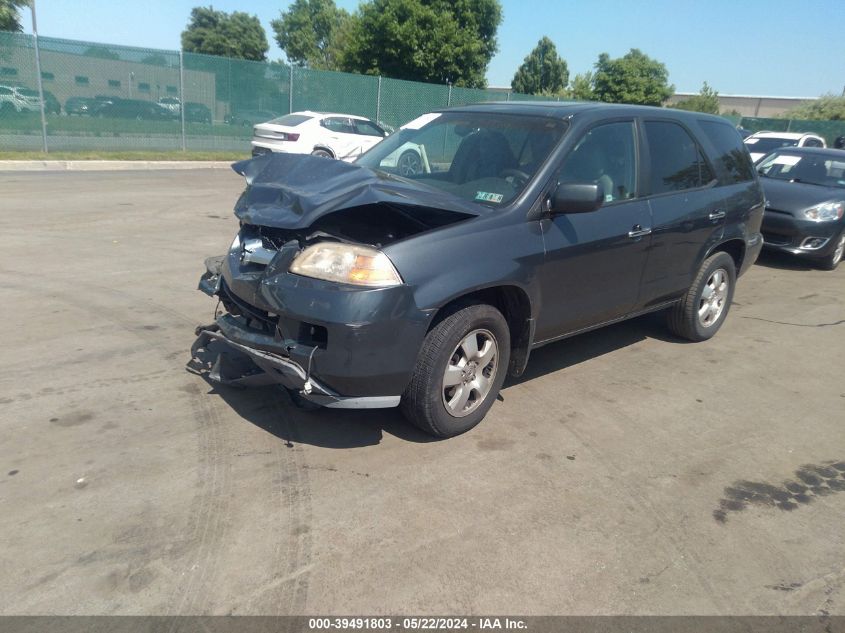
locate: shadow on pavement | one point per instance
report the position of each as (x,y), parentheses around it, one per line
(272,409)
(784,261)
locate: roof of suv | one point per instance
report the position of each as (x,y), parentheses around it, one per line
(563,109)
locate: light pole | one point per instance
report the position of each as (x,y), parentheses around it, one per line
(38,75)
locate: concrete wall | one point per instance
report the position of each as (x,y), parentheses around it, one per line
(748,105)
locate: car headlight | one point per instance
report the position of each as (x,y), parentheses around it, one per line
(827,212)
(346,263)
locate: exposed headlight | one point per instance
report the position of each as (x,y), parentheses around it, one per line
(826,212)
(346,263)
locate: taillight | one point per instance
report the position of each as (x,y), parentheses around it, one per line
(291,137)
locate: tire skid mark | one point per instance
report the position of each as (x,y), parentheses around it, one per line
(210,511)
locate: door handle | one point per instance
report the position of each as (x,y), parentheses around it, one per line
(638,231)
(716,215)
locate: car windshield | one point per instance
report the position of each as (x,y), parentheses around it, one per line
(26,92)
(484,157)
(809,168)
(291,120)
(766,144)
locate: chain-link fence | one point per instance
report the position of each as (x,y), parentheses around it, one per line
(108,97)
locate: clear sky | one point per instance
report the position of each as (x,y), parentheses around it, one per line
(752,47)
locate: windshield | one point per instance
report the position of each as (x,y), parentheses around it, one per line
(767,144)
(484,157)
(26,92)
(808,168)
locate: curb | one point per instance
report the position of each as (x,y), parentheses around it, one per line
(109,165)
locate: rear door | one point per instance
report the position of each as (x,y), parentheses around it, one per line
(342,138)
(594,261)
(687,208)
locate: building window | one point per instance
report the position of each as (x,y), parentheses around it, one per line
(171,90)
(47,76)
(143,87)
(8,72)
(81,80)
(114,83)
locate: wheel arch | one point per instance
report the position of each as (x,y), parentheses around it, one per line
(734,247)
(515,305)
(325,148)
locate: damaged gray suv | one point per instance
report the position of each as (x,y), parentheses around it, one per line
(375,285)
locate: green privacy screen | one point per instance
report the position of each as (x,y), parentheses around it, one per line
(107,97)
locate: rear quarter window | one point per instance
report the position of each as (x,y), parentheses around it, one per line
(731,153)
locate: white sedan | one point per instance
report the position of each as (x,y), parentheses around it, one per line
(762,143)
(341,136)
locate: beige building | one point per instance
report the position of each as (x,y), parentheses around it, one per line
(748,105)
(67,75)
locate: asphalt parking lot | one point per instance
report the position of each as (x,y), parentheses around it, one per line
(627,473)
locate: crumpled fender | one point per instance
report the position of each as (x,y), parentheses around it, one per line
(292,191)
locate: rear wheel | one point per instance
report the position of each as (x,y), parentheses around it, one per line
(701,312)
(459,372)
(321,153)
(832,261)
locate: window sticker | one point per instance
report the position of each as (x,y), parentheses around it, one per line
(751,141)
(488,197)
(786,160)
(417,123)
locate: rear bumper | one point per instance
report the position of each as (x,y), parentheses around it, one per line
(785,233)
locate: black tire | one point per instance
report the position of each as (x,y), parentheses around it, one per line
(683,318)
(409,163)
(321,153)
(832,261)
(423,402)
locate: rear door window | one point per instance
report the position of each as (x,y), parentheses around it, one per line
(732,155)
(341,125)
(675,160)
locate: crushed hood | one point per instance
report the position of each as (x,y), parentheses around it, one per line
(292,191)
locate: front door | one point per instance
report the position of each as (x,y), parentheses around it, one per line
(594,261)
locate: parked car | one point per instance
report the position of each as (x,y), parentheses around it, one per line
(248,118)
(354,287)
(51,104)
(80,106)
(197,112)
(805,202)
(172,104)
(17,99)
(134,109)
(761,143)
(341,136)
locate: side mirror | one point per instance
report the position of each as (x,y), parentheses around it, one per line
(577,197)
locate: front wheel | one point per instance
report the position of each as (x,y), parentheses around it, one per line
(701,312)
(832,261)
(459,372)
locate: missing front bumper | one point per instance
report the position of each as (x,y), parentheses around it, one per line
(225,361)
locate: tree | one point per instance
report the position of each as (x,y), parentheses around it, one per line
(437,41)
(101,52)
(10,19)
(634,78)
(542,72)
(237,34)
(707,101)
(828,107)
(581,88)
(313,33)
